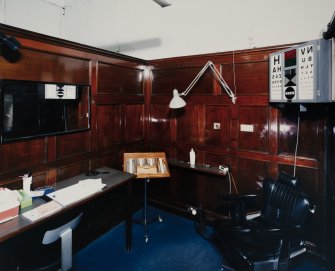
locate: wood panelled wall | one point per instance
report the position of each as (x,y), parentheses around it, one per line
(129,112)
(251,156)
(117,109)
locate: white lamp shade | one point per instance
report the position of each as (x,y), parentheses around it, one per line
(177,101)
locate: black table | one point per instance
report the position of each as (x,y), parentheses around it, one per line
(111,177)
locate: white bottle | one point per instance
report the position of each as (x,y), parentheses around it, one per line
(192,157)
(27,181)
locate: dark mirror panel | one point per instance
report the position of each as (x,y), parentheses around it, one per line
(32,109)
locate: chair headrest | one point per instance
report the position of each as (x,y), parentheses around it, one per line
(288,180)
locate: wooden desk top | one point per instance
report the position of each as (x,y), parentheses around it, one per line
(112,179)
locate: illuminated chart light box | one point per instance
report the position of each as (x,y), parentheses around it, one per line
(303,73)
(146,164)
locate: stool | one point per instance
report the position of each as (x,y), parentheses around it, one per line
(65,233)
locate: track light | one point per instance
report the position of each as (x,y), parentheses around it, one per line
(9,48)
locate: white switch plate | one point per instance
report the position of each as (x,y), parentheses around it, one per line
(216,125)
(247,128)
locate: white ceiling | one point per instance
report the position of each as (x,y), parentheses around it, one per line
(143,29)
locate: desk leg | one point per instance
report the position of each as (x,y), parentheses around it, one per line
(129,220)
(128,232)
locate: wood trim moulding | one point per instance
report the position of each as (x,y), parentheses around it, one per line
(216,57)
(111,99)
(22,33)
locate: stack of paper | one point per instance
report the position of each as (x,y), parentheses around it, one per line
(42,210)
(77,191)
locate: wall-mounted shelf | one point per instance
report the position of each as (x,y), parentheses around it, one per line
(197,167)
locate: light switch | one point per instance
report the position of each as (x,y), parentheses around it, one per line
(247,128)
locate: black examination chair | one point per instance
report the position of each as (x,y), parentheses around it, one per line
(269,241)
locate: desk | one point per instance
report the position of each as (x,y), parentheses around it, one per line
(113,180)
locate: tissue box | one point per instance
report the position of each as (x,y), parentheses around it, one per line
(9,213)
(9,205)
(25,199)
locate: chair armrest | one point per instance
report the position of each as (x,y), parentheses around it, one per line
(287,232)
(253,215)
(237,209)
(270,230)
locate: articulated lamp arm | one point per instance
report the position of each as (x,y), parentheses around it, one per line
(178,102)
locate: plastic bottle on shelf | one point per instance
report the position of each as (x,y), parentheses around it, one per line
(192,157)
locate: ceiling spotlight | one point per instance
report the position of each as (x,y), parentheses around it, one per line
(162,3)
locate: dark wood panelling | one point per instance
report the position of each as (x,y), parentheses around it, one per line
(160,117)
(185,191)
(42,66)
(112,160)
(159,188)
(194,190)
(209,188)
(22,155)
(258,117)
(160,146)
(109,125)
(66,148)
(134,118)
(114,79)
(308,144)
(39,180)
(187,124)
(217,159)
(249,77)
(217,114)
(165,81)
(249,175)
(68,171)
(15,182)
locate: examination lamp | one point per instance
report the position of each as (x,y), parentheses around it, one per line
(178,102)
(9,48)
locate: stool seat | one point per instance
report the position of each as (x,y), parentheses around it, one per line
(45,245)
(65,233)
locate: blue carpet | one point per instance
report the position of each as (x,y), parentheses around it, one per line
(308,266)
(173,245)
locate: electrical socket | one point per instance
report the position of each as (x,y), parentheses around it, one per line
(216,125)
